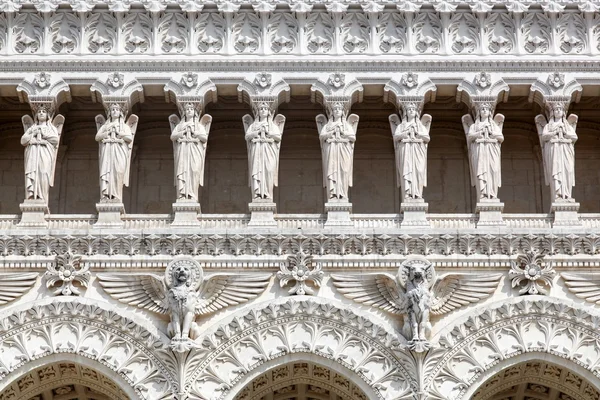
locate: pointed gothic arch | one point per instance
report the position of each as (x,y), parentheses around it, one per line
(90,334)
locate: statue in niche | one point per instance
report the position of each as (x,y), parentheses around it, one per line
(411,136)
(337,135)
(263,137)
(484,137)
(189,136)
(41,139)
(115,136)
(557,136)
(184,293)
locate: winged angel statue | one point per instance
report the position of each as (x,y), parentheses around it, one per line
(416,292)
(183,293)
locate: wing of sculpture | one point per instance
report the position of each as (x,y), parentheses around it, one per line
(27,122)
(377,290)
(321,122)
(280,122)
(173,121)
(143,291)
(426,121)
(13,286)
(206,121)
(467,121)
(100,120)
(572,120)
(584,285)
(58,122)
(394,122)
(456,290)
(499,120)
(132,121)
(353,121)
(247,120)
(540,123)
(222,290)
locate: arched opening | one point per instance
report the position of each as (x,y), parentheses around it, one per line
(301,380)
(66,380)
(537,380)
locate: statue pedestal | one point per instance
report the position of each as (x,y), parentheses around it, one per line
(414,212)
(109,215)
(490,212)
(565,213)
(338,213)
(262,213)
(185,213)
(33,214)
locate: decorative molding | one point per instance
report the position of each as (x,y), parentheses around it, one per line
(532,273)
(67,271)
(300,269)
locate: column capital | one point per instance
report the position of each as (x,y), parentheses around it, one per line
(117,88)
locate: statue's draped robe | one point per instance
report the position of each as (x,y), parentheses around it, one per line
(263,158)
(559,158)
(39,160)
(485,158)
(411,158)
(189,158)
(114,159)
(337,157)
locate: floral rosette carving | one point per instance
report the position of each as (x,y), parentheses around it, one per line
(532,273)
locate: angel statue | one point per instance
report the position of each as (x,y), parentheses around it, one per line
(416,292)
(115,136)
(41,139)
(189,136)
(337,135)
(183,293)
(484,136)
(411,136)
(557,137)
(263,137)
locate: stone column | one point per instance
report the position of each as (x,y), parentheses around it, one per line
(337,134)
(41,139)
(263,132)
(410,132)
(557,134)
(189,133)
(116,134)
(483,131)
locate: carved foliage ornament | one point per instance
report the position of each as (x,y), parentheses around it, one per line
(301,269)
(532,273)
(101,33)
(63,275)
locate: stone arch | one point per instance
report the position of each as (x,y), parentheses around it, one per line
(237,349)
(488,340)
(91,334)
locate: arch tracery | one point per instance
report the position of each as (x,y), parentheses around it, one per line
(501,335)
(90,334)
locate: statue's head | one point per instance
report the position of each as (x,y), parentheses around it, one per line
(337,109)
(484,111)
(115,111)
(189,110)
(557,110)
(181,274)
(42,114)
(184,271)
(418,270)
(264,109)
(411,110)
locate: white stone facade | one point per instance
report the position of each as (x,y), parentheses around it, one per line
(298,201)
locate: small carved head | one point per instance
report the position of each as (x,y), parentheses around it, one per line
(182,275)
(115,111)
(189,110)
(557,110)
(41,114)
(410,111)
(418,271)
(484,111)
(264,109)
(337,109)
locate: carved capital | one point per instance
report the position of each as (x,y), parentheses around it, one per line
(117,88)
(44,89)
(264,87)
(483,88)
(338,88)
(188,89)
(556,87)
(409,88)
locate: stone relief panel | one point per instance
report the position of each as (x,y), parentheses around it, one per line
(464,33)
(428,35)
(101,33)
(210,28)
(283,33)
(354,33)
(392,30)
(173,32)
(319,33)
(64,32)
(246,33)
(536,33)
(499,30)
(28,33)
(136,32)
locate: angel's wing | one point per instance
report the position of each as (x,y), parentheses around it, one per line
(394,122)
(572,120)
(426,121)
(467,121)
(247,120)
(143,291)
(455,290)
(321,122)
(377,290)
(353,121)
(100,120)
(540,123)
(499,120)
(206,121)
(132,121)
(584,285)
(27,122)
(13,286)
(280,122)
(224,290)
(173,121)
